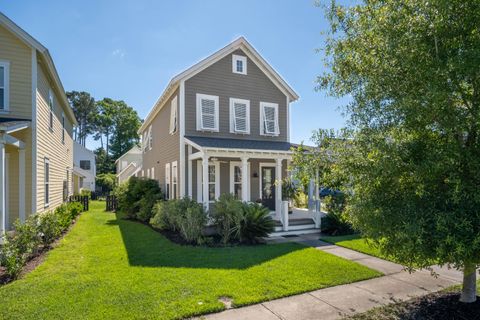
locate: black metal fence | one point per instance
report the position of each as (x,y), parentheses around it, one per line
(111,203)
(83,200)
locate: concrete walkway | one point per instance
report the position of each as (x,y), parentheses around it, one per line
(337,302)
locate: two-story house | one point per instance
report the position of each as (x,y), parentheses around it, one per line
(129,164)
(36,123)
(221,126)
(84,168)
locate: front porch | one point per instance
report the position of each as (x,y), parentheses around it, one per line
(253,175)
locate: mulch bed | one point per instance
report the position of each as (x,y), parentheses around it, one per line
(435,306)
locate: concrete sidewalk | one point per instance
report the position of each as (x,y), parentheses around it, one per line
(337,302)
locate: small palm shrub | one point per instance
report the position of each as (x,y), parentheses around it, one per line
(226,215)
(254,222)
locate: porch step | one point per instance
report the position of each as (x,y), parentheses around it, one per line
(296,222)
(294,232)
(296,227)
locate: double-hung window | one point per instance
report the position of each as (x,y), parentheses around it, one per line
(173,116)
(63,128)
(207,112)
(46,178)
(174,180)
(50,106)
(269,119)
(167,181)
(85,164)
(4,85)
(239,116)
(239,64)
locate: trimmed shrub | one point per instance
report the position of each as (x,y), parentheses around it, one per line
(255,222)
(336,221)
(48,227)
(300,200)
(226,216)
(137,197)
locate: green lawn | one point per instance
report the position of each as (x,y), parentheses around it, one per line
(357,243)
(110,268)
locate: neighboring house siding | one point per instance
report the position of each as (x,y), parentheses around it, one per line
(20,58)
(49,144)
(219,80)
(129,157)
(165,146)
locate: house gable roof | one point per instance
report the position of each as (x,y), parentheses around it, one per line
(45,55)
(240,43)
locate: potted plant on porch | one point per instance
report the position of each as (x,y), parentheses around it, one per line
(289,192)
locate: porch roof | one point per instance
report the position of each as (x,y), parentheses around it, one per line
(227,143)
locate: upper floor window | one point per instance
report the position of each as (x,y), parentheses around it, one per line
(85,164)
(4,85)
(63,128)
(173,116)
(239,116)
(50,105)
(239,64)
(269,119)
(207,112)
(150,138)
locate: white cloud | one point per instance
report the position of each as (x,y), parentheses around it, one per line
(118,53)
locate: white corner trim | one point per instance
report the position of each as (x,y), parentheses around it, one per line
(232,115)
(181,124)
(288,119)
(34,131)
(243,59)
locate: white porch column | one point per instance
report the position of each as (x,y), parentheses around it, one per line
(278,191)
(205,181)
(21,184)
(245,179)
(3,214)
(190,174)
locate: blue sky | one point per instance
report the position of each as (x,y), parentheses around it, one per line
(129,50)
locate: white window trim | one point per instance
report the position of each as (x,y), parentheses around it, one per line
(173,116)
(150,138)
(51,106)
(174,181)
(46,182)
(236,58)
(199,112)
(234,164)
(262,120)
(216,164)
(6,88)
(168,194)
(148,173)
(63,127)
(153,173)
(232,115)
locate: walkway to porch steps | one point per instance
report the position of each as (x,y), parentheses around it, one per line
(340,301)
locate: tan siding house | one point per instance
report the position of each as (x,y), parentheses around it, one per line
(222,126)
(36,124)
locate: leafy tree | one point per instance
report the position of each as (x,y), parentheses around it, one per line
(412,69)
(104,122)
(126,124)
(105,163)
(105,181)
(84,108)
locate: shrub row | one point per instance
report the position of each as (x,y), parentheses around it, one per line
(35,234)
(139,198)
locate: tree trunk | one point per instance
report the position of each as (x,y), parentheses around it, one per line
(469,289)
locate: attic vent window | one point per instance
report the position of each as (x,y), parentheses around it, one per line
(239,64)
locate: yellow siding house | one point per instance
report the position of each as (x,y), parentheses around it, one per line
(36,124)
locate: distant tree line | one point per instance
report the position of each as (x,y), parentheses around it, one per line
(113,122)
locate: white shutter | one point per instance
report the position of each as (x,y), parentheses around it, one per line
(270,118)
(173,116)
(208,114)
(239,115)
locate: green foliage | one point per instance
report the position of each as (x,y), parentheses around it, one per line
(336,221)
(38,230)
(225,215)
(254,222)
(137,197)
(300,200)
(105,181)
(86,192)
(84,108)
(412,70)
(289,189)
(105,163)
(161,218)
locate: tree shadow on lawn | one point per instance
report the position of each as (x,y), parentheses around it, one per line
(147,248)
